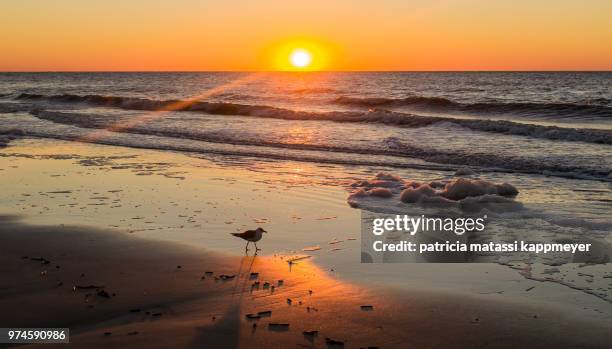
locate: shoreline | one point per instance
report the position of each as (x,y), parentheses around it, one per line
(144,274)
(131,216)
(173,197)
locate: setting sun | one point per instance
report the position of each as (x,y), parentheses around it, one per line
(299,54)
(300,58)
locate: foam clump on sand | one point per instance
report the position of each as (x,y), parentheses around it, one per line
(461,188)
(457,190)
(383,185)
(381,180)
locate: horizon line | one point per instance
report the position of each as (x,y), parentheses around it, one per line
(308,71)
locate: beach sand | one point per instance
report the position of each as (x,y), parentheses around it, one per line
(126,219)
(154,303)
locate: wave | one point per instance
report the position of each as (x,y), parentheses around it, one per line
(14,108)
(592,108)
(598,101)
(392,147)
(313,90)
(370,116)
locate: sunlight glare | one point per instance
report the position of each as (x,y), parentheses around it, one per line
(300,58)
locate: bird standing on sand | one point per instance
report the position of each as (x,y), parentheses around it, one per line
(251,236)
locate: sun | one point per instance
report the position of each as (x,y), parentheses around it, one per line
(298,54)
(300,58)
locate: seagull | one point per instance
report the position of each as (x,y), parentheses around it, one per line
(251,236)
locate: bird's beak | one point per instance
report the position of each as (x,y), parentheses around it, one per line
(265,231)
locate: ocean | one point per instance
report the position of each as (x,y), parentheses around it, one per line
(558,124)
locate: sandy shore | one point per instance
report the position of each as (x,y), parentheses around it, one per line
(158,295)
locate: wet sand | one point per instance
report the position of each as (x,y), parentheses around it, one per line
(151,302)
(127,219)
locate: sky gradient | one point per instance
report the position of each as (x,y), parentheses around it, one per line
(138,35)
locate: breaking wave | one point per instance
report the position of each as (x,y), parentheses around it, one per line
(370,116)
(592,108)
(391,147)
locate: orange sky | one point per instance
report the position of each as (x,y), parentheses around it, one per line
(74,35)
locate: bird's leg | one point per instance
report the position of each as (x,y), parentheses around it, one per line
(247,246)
(256,248)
